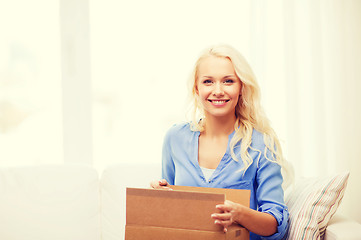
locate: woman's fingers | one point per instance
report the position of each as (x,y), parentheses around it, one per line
(160,184)
(163,182)
(224,223)
(226,217)
(222,216)
(228,206)
(224,208)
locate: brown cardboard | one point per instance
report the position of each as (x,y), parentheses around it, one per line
(235,195)
(184,213)
(160,233)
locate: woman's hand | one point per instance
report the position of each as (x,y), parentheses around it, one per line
(260,223)
(160,184)
(230,212)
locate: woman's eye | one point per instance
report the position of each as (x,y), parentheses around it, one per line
(229,81)
(207,81)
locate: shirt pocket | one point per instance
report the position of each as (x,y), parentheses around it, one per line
(244,184)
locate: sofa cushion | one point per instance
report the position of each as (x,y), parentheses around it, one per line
(342,228)
(58,202)
(312,202)
(114,181)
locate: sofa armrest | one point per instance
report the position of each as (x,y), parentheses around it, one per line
(341,228)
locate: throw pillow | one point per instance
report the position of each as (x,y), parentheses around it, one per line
(312,203)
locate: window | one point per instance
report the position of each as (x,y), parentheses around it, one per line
(30,87)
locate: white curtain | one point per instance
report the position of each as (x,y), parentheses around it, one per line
(310,62)
(322,55)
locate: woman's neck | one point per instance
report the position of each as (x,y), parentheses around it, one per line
(218,127)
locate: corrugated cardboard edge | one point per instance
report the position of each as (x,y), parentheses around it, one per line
(240,196)
(179,194)
(134,232)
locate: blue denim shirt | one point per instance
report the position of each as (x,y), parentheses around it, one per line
(263,177)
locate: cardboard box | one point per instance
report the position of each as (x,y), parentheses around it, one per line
(181,214)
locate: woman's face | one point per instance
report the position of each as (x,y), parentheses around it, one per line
(218,87)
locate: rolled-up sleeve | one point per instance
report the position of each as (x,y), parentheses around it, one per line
(270,195)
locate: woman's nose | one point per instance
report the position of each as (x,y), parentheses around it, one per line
(218,90)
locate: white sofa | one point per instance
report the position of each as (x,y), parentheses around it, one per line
(73,202)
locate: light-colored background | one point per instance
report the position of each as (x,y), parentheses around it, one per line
(100,82)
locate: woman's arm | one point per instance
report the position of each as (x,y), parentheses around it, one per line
(260,223)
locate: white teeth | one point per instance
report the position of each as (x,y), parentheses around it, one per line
(218,102)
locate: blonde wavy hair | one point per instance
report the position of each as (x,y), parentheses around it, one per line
(249,112)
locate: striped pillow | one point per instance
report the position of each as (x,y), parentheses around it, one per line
(312,203)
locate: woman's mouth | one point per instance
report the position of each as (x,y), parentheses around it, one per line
(218,102)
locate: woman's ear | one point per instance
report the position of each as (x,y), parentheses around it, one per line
(196,90)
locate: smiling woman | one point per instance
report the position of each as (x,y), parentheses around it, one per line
(231,146)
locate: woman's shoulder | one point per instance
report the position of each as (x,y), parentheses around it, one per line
(179,129)
(257,135)
(181,126)
(257,139)
(258,144)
